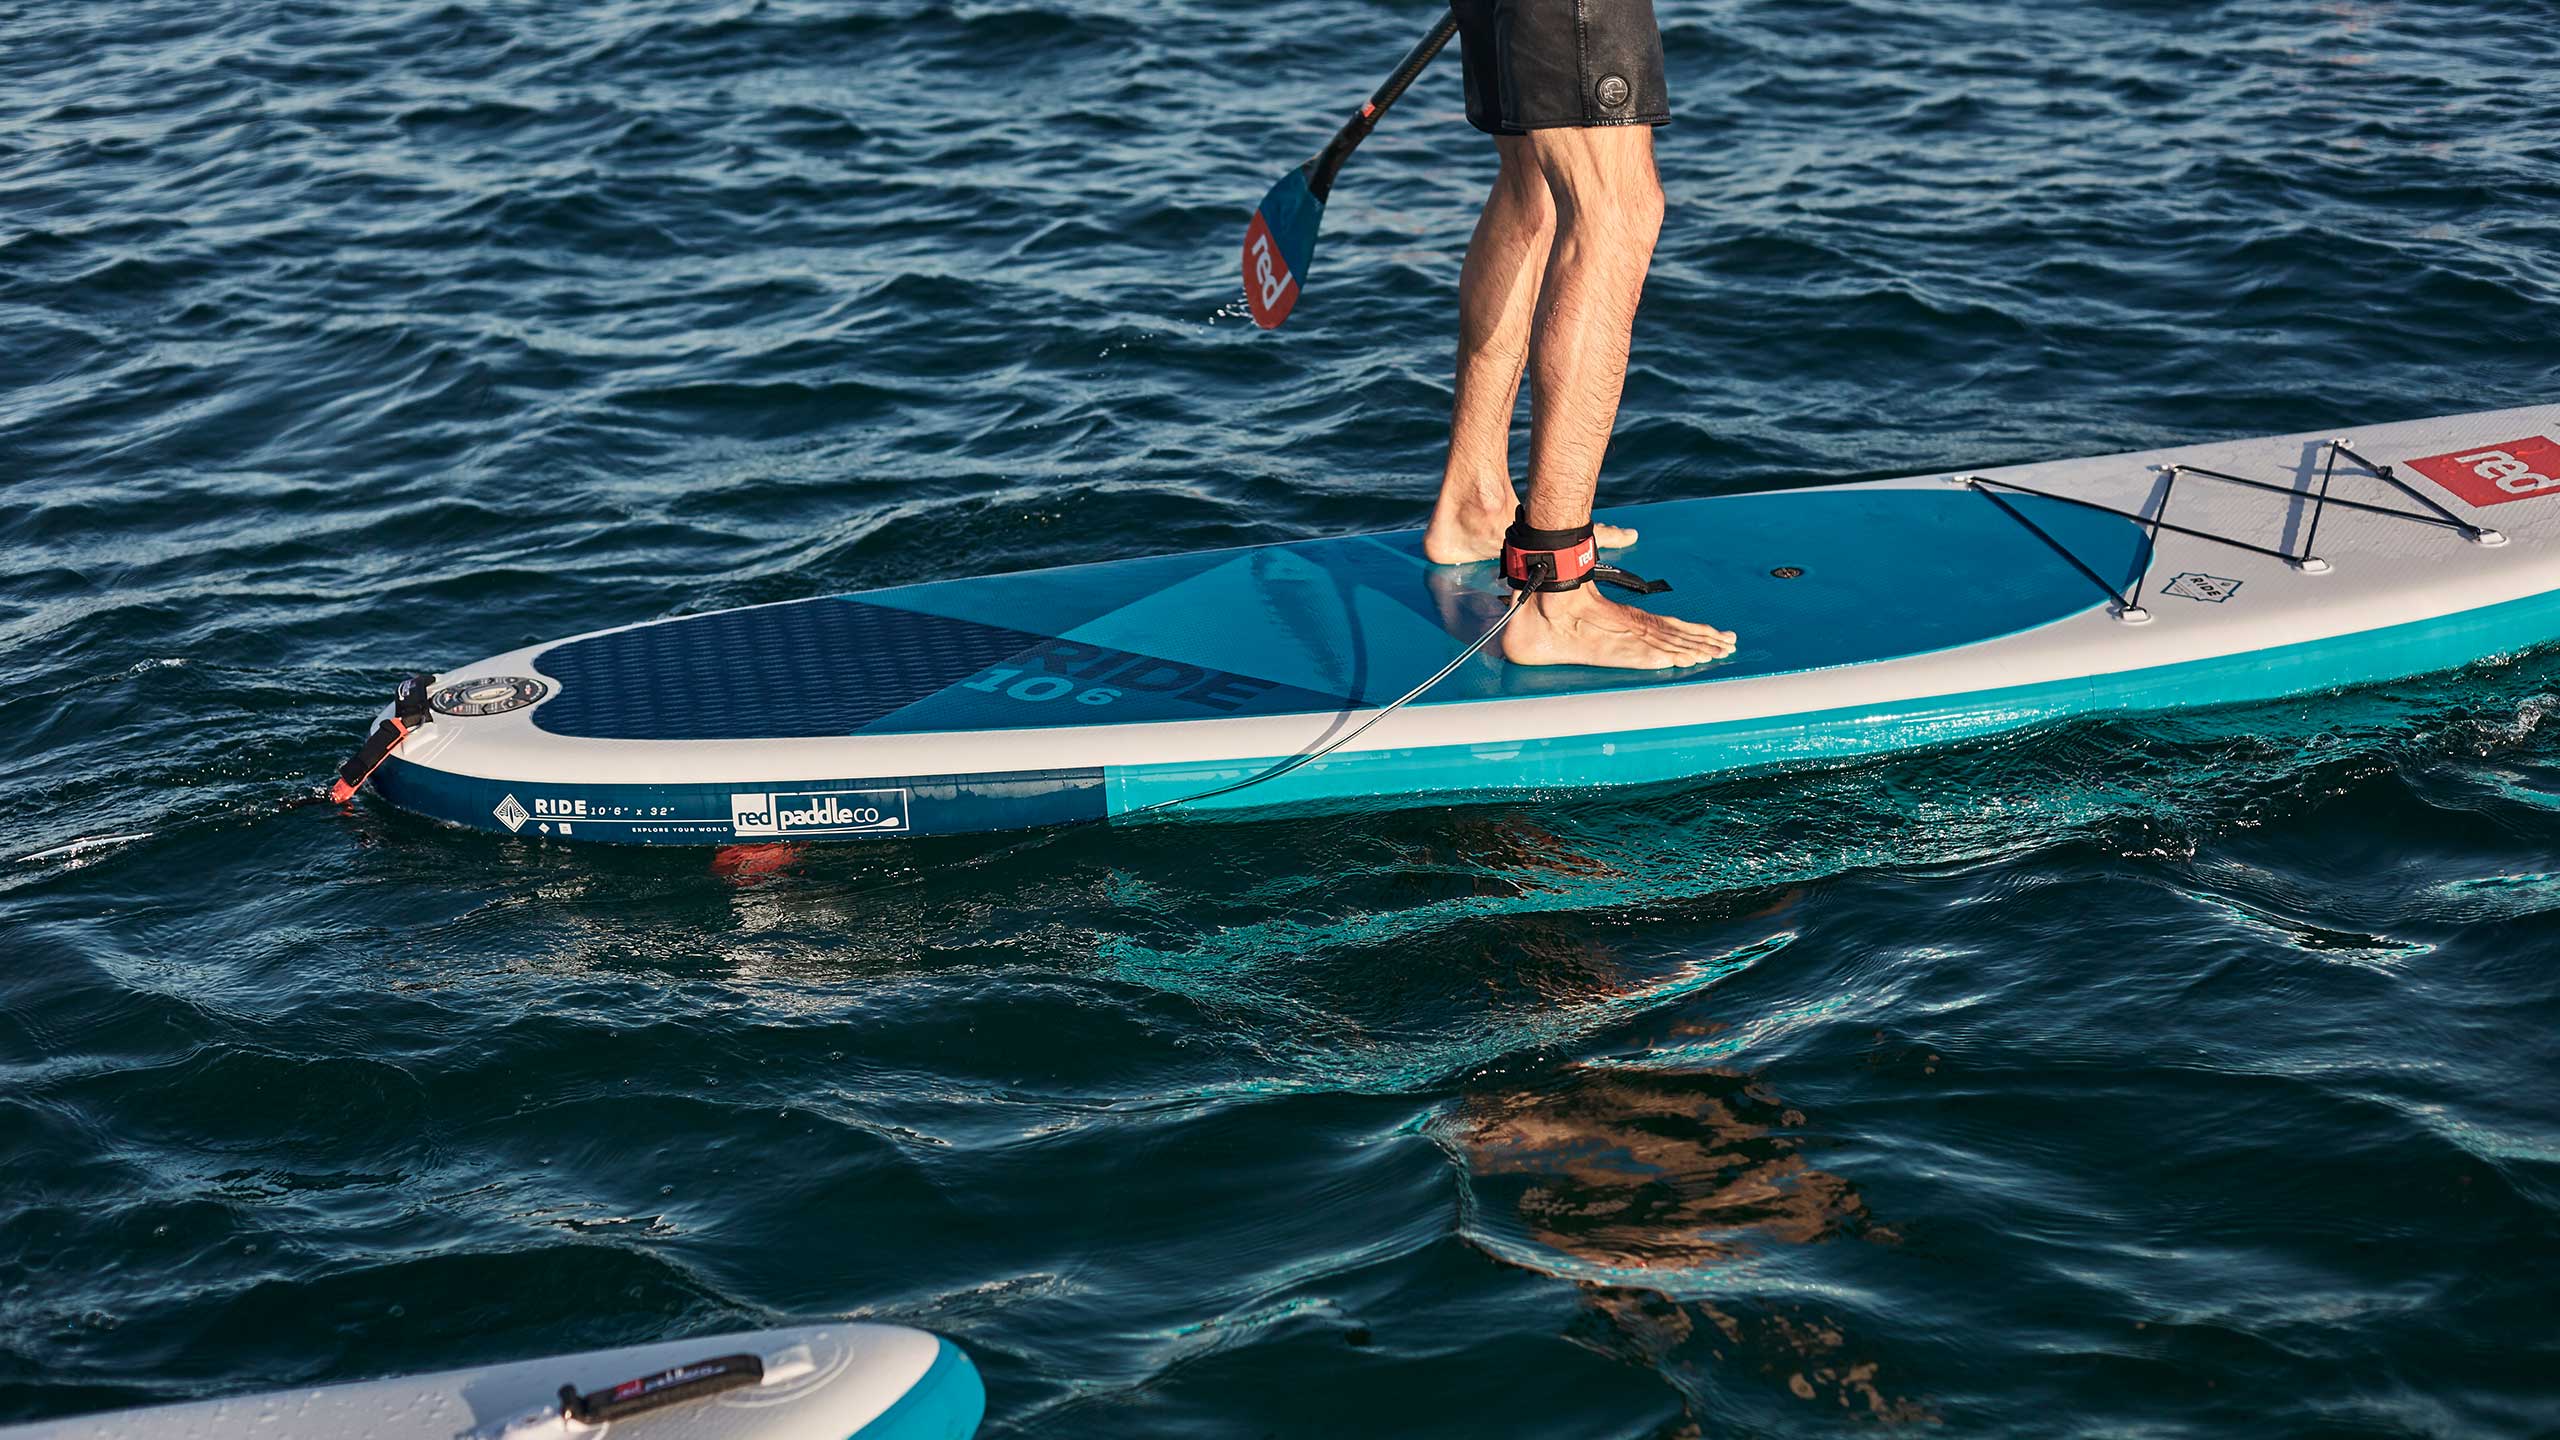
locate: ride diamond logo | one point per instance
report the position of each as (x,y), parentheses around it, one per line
(512,814)
(2212,589)
(2496,474)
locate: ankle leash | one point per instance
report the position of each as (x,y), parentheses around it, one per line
(1551,560)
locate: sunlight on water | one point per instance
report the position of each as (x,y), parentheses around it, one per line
(2185,1075)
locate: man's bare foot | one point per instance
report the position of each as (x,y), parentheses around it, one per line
(1578,627)
(1466,528)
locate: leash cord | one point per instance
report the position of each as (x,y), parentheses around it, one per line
(1311,756)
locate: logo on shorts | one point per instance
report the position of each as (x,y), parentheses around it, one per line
(818,812)
(1612,91)
(2496,474)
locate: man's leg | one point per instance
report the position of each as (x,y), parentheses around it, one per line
(1608,211)
(1497,298)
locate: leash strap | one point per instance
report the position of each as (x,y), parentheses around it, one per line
(1551,560)
(409,710)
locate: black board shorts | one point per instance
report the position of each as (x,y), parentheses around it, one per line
(1550,64)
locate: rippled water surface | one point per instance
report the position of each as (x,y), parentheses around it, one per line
(2186,1077)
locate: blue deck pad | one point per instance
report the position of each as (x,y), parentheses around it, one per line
(1320,626)
(1332,617)
(1281,630)
(808,668)
(1886,573)
(1052,601)
(1080,682)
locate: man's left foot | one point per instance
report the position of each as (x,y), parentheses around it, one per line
(1464,531)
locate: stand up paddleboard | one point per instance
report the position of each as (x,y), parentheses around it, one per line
(869,1382)
(1873,617)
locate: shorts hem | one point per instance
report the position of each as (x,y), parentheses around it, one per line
(1524,127)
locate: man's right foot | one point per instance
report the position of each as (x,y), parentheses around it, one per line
(1578,627)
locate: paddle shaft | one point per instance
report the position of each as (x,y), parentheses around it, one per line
(1328,161)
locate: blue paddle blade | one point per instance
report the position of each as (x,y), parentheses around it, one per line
(1278,247)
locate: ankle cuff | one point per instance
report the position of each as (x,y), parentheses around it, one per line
(1547,559)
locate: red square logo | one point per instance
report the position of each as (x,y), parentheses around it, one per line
(2496,474)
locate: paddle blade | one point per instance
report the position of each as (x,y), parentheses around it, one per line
(1278,247)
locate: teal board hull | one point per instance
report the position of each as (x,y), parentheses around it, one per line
(946,1404)
(1655,755)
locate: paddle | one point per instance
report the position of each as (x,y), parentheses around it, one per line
(1281,241)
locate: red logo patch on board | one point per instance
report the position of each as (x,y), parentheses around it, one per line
(2496,474)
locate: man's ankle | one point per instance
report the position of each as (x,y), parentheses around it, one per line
(1471,493)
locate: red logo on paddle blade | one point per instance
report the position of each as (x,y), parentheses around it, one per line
(2496,474)
(1270,291)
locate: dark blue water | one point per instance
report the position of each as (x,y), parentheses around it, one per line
(2194,1077)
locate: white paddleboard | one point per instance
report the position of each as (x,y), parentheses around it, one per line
(825,1382)
(1873,617)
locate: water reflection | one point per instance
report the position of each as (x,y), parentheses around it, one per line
(1650,1190)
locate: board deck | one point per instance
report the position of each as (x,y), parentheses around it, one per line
(1871,617)
(828,1382)
(1317,626)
